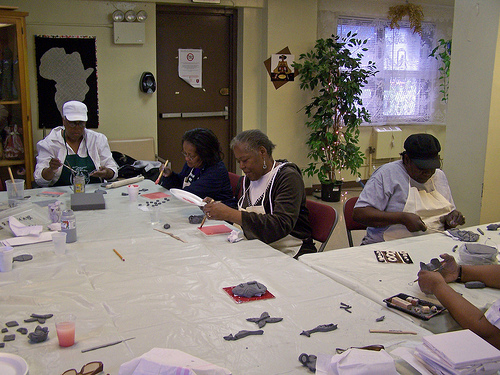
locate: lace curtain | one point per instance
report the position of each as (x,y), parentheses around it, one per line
(406,88)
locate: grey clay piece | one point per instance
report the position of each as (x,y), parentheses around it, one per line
(263,319)
(39,334)
(242,334)
(249,289)
(320,328)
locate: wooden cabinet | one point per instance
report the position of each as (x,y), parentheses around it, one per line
(16,135)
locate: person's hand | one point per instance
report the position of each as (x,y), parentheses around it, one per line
(449,268)
(428,281)
(167,171)
(413,222)
(54,164)
(103,172)
(453,219)
(216,210)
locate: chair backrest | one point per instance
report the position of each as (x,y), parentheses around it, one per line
(350,224)
(323,219)
(234,179)
(137,148)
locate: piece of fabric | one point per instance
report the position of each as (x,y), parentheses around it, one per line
(493,314)
(284,205)
(54,146)
(430,206)
(159,361)
(388,188)
(19,229)
(356,362)
(211,181)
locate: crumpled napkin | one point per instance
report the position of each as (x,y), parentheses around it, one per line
(20,229)
(236,235)
(161,361)
(356,362)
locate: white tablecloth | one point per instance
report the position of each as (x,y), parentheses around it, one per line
(359,269)
(169,294)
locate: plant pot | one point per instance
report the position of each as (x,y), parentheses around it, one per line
(331,192)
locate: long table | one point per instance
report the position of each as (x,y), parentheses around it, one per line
(358,269)
(169,294)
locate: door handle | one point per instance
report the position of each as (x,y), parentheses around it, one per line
(224,113)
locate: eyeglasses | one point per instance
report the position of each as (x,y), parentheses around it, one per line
(188,156)
(91,368)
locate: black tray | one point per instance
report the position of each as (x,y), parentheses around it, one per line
(412,311)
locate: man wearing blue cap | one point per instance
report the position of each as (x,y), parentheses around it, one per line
(408,196)
(81,150)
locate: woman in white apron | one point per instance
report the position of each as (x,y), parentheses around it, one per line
(409,196)
(273,205)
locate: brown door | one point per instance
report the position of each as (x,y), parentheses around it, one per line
(182,107)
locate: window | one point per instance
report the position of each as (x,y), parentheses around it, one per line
(405,90)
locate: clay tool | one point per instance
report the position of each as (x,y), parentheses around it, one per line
(396,331)
(106,345)
(205,217)
(71,169)
(170,234)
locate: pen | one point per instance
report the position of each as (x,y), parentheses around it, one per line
(117,253)
(397,331)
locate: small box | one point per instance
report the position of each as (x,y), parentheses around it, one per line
(388,142)
(87,201)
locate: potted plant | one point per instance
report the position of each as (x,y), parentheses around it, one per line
(334,68)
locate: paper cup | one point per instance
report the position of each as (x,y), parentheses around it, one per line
(59,240)
(133,192)
(6,258)
(154,212)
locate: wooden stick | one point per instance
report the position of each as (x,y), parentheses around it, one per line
(117,253)
(12,179)
(205,217)
(396,331)
(170,234)
(71,169)
(203,222)
(161,173)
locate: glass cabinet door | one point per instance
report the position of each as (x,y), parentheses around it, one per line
(16,151)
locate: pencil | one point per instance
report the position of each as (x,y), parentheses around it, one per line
(117,253)
(12,179)
(161,173)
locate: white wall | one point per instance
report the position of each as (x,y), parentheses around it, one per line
(472,128)
(123,110)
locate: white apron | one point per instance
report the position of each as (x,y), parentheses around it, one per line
(430,206)
(289,244)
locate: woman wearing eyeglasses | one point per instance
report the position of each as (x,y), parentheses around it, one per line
(204,172)
(272,207)
(72,149)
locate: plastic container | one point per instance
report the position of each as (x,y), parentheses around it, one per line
(68,225)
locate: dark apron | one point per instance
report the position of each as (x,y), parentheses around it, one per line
(80,165)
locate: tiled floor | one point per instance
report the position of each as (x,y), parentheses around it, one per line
(338,239)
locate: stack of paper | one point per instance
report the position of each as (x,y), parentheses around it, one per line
(460,352)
